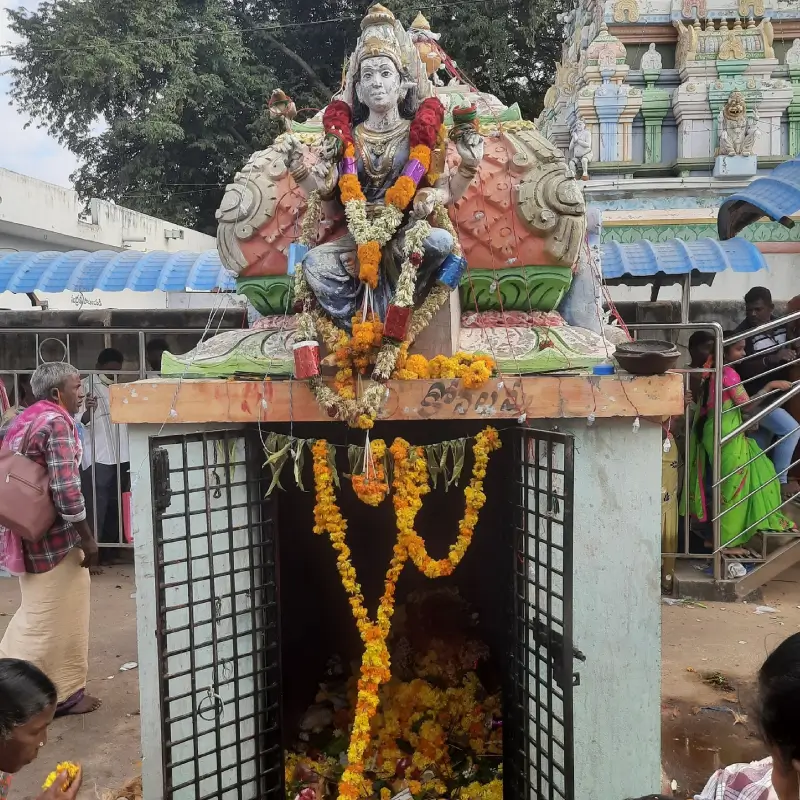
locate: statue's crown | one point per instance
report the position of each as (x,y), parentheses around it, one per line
(377,15)
(378,36)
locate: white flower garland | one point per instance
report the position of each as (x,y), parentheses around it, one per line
(381,229)
(313,322)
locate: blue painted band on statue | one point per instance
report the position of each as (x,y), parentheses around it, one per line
(297,252)
(451,271)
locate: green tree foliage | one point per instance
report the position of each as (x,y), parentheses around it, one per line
(163,100)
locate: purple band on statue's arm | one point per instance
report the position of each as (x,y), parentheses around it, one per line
(414,170)
(348,166)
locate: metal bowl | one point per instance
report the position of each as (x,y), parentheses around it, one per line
(646,346)
(647,356)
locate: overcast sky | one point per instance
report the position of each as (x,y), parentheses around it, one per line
(30,151)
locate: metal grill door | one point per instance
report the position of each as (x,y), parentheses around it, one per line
(538,752)
(217,618)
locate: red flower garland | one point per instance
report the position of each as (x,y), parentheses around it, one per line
(426,123)
(337,120)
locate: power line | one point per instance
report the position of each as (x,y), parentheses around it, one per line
(8,48)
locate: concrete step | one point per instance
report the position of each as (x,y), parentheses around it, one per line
(779,561)
(692,584)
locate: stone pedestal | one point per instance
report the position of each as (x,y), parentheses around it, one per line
(733,167)
(442,334)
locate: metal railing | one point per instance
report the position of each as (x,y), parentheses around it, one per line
(775,399)
(105,469)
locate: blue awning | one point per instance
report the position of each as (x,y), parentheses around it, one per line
(776,196)
(108,271)
(676,257)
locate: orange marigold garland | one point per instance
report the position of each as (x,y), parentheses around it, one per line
(371,235)
(410,485)
(370,486)
(485,443)
(375,660)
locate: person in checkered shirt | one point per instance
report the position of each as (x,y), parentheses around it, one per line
(51,627)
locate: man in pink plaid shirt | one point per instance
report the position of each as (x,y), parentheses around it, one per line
(51,627)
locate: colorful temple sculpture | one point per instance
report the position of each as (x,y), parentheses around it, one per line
(683,102)
(415,209)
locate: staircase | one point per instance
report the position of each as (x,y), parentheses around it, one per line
(705,576)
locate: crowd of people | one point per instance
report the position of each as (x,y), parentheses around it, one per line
(757,461)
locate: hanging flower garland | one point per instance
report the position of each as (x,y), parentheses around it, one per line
(410,484)
(486,442)
(370,485)
(375,660)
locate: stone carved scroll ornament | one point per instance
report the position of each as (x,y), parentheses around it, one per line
(249,203)
(550,200)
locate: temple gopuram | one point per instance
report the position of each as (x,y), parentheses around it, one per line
(677,105)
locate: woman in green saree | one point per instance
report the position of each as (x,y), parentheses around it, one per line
(747,471)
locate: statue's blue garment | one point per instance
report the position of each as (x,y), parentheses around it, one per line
(331,269)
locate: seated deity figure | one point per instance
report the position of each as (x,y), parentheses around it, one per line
(386,91)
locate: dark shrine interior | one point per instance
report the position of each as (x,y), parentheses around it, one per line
(316,620)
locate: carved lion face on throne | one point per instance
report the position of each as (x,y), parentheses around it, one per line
(736,108)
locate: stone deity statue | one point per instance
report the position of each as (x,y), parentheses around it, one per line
(384,87)
(651,60)
(737,131)
(580,149)
(793,54)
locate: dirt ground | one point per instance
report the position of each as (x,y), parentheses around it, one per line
(703,726)
(106,742)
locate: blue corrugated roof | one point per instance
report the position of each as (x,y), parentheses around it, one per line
(104,270)
(776,196)
(676,257)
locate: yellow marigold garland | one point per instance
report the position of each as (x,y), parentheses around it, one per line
(485,443)
(71,769)
(474,369)
(410,485)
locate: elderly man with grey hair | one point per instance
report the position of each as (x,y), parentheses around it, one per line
(51,626)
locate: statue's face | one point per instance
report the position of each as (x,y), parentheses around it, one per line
(378,84)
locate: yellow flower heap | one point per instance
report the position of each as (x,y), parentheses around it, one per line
(71,769)
(426,733)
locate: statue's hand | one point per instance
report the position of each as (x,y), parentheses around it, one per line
(470,148)
(292,151)
(424,202)
(325,177)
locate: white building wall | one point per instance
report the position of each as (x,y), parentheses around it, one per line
(37,216)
